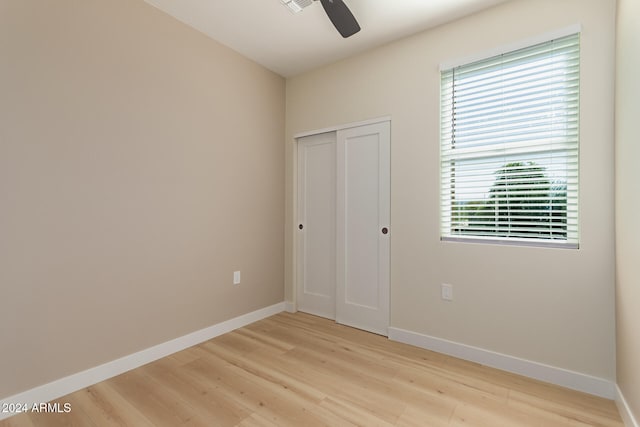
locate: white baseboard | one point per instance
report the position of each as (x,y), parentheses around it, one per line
(75,382)
(562,377)
(290,307)
(625,410)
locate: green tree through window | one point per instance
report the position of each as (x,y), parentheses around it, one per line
(522,202)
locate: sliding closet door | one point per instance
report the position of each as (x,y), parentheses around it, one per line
(316,253)
(362,228)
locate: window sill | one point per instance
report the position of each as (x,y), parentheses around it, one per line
(512,242)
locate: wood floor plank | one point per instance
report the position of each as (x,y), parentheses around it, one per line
(19,420)
(260,395)
(451,385)
(159,404)
(574,414)
(354,414)
(353,386)
(210,409)
(106,407)
(73,418)
(256,420)
(427,415)
(491,414)
(302,370)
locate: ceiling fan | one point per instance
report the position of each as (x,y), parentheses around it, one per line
(338,12)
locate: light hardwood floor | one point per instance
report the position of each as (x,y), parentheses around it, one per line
(300,370)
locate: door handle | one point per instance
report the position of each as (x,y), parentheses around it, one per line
(385,230)
(300,226)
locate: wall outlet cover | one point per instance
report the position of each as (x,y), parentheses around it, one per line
(447,292)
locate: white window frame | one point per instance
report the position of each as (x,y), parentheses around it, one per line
(449,185)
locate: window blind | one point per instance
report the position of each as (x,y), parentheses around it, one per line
(509,146)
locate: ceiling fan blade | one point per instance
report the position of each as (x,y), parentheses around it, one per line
(341,17)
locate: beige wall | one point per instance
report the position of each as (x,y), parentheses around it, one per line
(628,202)
(141,163)
(551,306)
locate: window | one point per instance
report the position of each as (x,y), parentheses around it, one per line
(509,147)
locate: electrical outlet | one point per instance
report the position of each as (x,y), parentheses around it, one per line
(447,292)
(236,277)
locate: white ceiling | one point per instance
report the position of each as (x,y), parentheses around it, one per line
(267,32)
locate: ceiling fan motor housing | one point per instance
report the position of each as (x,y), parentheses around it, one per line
(296,6)
(336,10)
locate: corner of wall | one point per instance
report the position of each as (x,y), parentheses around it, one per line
(625,411)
